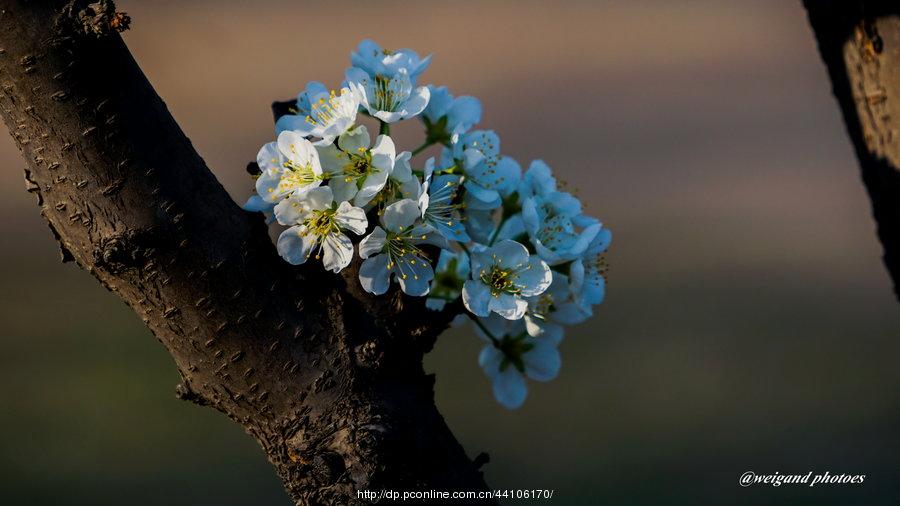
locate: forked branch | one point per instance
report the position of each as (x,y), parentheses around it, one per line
(327,379)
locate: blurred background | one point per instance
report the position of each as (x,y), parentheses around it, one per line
(749,322)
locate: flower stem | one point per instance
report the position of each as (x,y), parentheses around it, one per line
(497,230)
(425,145)
(485,330)
(385,128)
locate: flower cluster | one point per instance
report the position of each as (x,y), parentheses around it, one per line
(519,252)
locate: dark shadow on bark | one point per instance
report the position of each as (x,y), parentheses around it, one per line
(859,41)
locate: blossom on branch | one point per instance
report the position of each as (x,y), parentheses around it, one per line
(467,231)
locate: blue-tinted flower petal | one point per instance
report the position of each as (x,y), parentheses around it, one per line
(542,362)
(337,251)
(508,306)
(295,245)
(476,297)
(372,243)
(351,218)
(509,388)
(374,275)
(400,215)
(509,254)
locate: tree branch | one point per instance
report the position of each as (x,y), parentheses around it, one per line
(859,41)
(328,379)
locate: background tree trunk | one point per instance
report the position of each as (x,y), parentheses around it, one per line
(859,42)
(328,379)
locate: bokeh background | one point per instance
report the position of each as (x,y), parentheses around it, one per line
(749,323)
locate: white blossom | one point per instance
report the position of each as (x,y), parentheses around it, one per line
(502,277)
(321,113)
(395,250)
(288,165)
(317,228)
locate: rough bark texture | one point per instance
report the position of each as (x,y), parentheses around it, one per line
(860,44)
(326,378)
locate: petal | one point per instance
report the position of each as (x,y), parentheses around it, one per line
(486,141)
(372,243)
(411,188)
(601,242)
(472,157)
(480,225)
(509,388)
(295,246)
(530,217)
(361,93)
(416,102)
(343,190)
(318,198)
(383,153)
(514,226)
(269,158)
(508,306)
(563,203)
(337,252)
(294,123)
(351,218)
(584,221)
(576,275)
(429,169)
(257,204)
(426,234)
(533,325)
(439,103)
(570,313)
(371,185)
(476,297)
(542,362)
(290,211)
(374,275)
(551,332)
(400,215)
(585,238)
(549,255)
(386,116)
(357,76)
(481,198)
(594,289)
(534,277)
(490,359)
(499,326)
(366,56)
(314,89)
(402,171)
(456,231)
(509,254)
(415,276)
(464,114)
(538,180)
(480,262)
(355,141)
(506,176)
(294,146)
(267,186)
(332,159)
(423,64)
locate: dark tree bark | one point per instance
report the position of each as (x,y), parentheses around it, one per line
(859,41)
(328,379)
